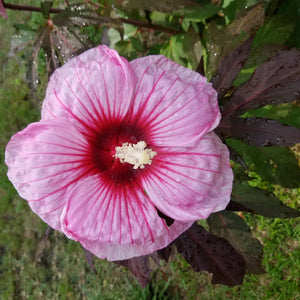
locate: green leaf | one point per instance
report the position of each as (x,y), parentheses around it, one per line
(275,164)
(248,20)
(129,48)
(173,49)
(287,113)
(231,227)
(45,7)
(260,201)
(154,5)
(294,39)
(198,14)
(220,41)
(276,30)
(232,7)
(192,48)
(21,40)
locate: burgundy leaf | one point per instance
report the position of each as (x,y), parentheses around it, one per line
(165,253)
(275,81)
(228,225)
(259,131)
(139,267)
(230,67)
(235,206)
(89,258)
(200,67)
(207,252)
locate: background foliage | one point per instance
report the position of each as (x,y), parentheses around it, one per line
(32,267)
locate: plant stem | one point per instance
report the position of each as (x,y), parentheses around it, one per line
(58,10)
(151,26)
(29,8)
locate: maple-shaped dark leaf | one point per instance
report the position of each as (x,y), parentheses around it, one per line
(63,38)
(139,267)
(229,68)
(260,201)
(89,258)
(275,81)
(259,131)
(207,252)
(231,227)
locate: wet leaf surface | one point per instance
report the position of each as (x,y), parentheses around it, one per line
(229,68)
(259,131)
(220,42)
(276,81)
(62,37)
(207,252)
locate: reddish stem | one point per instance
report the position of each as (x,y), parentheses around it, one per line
(58,10)
(29,8)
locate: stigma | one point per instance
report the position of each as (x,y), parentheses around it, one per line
(136,154)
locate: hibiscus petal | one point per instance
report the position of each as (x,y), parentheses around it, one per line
(2,10)
(177,104)
(43,161)
(190,183)
(116,222)
(92,88)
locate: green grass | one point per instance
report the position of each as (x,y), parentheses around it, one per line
(32,267)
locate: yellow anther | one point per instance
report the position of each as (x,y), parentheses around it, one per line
(135,154)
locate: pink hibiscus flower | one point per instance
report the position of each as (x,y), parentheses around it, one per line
(120,144)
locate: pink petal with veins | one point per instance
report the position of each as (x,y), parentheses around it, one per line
(43,161)
(190,183)
(176,103)
(91,89)
(97,214)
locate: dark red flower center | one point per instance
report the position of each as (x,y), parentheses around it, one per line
(102,150)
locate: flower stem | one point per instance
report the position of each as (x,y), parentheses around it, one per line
(58,10)
(29,8)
